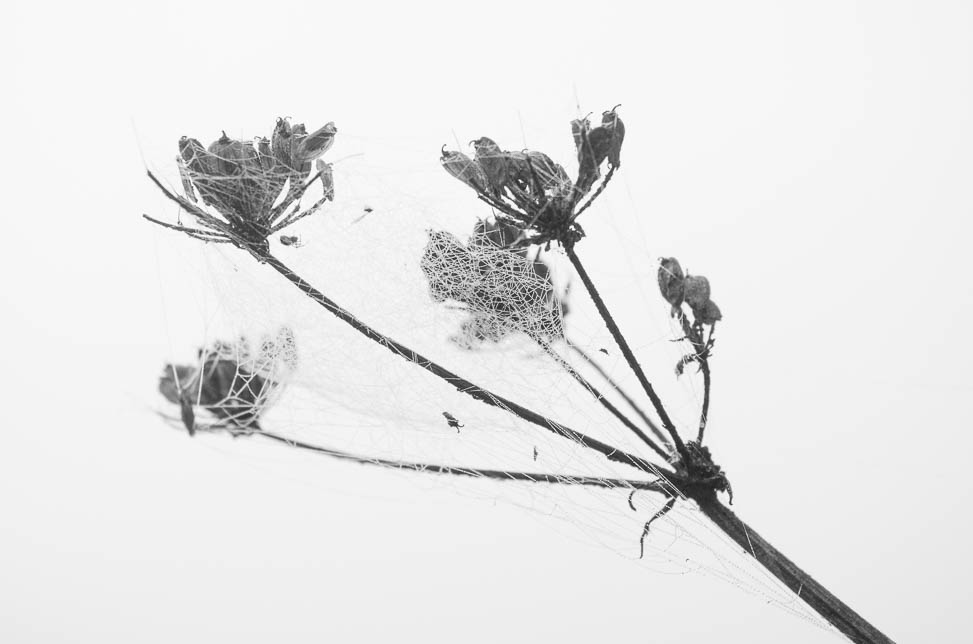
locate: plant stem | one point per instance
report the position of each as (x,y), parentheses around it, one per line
(621,392)
(832,609)
(661,486)
(704,414)
(461,384)
(627,352)
(607,404)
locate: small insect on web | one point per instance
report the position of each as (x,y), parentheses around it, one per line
(451,421)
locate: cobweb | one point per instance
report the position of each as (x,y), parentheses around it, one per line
(428,267)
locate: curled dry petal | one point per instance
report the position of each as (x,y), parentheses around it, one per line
(671,281)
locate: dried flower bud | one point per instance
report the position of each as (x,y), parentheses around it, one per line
(465,169)
(696,292)
(710,314)
(671,281)
(530,167)
(197,159)
(232,156)
(221,385)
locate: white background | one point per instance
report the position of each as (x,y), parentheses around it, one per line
(816,159)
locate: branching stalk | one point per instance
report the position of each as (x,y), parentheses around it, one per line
(627,352)
(607,404)
(461,384)
(621,392)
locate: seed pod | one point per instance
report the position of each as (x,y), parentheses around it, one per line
(465,169)
(197,159)
(671,281)
(697,292)
(494,163)
(611,122)
(552,175)
(318,142)
(593,146)
(600,141)
(233,157)
(710,313)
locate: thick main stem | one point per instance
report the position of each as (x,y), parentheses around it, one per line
(832,609)
(461,384)
(627,352)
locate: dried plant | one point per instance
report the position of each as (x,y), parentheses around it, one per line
(241,193)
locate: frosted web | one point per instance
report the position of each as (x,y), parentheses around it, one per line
(444,275)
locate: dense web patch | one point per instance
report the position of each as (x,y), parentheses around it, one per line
(456,286)
(503,290)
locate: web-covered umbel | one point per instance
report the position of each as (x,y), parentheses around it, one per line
(446,279)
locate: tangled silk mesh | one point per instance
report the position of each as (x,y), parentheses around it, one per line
(503,291)
(428,273)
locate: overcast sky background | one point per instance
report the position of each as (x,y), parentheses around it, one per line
(817,160)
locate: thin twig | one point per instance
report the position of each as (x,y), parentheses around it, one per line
(564,364)
(601,188)
(704,413)
(701,355)
(621,392)
(661,486)
(627,352)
